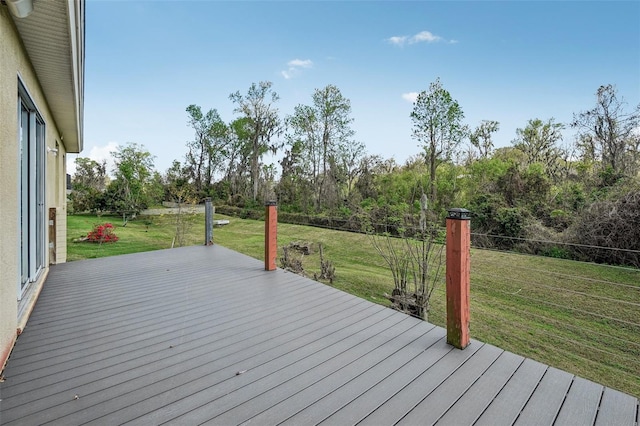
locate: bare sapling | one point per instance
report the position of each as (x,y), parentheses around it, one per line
(416,264)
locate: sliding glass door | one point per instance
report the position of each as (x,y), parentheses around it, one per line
(32,192)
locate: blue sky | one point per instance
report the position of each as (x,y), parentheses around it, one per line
(146,61)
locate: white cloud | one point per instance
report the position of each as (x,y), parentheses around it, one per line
(397,40)
(295,67)
(425,36)
(421,37)
(103,153)
(301,63)
(96,153)
(410,97)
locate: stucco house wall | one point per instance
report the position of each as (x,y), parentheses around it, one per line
(17,67)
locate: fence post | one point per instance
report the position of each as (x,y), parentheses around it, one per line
(270,235)
(208,222)
(458,283)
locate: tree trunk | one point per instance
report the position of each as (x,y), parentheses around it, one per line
(432,172)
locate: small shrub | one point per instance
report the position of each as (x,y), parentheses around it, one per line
(327,269)
(102,234)
(556,252)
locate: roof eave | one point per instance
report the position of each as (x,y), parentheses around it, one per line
(53,36)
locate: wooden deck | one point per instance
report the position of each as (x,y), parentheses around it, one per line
(204,335)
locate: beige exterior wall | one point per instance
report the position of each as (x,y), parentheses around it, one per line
(15,64)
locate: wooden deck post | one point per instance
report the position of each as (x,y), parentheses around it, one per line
(458,283)
(270,236)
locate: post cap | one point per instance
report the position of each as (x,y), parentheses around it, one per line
(270,203)
(458,214)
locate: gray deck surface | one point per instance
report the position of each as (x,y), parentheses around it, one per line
(204,335)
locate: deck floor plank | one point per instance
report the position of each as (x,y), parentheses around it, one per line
(326,377)
(114,376)
(617,408)
(360,398)
(507,405)
(210,403)
(207,326)
(431,408)
(164,382)
(581,403)
(242,404)
(429,377)
(546,400)
(476,399)
(204,334)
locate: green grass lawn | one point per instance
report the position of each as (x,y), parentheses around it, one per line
(143,234)
(580,317)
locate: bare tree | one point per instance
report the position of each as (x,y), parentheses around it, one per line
(481,137)
(324,128)
(263,122)
(208,148)
(416,264)
(609,133)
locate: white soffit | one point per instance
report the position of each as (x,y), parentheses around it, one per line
(53,35)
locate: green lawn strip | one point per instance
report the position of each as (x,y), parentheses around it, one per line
(560,350)
(551,310)
(581,326)
(561,298)
(551,339)
(143,234)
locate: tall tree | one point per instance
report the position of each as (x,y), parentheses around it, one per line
(176,183)
(208,148)
(437,125)
(324,128)
(609,133)
(349,156)
(538,141)
(90,173)
(294,188)
(263,124)
(481,137)
(238,172)
(89,182)
(305,139)
(133,171)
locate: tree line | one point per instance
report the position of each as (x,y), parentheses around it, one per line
(575,194)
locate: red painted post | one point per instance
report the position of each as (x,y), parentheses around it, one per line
(270,236)
(458,282)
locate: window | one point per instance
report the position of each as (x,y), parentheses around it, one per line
(32,190)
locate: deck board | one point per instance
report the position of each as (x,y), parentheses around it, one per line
(397,405)
(278,404)
(617,408)
(205,335)
(355,402)
(507,405)
(478,397)
(547,399)
(581,403)
(431,408)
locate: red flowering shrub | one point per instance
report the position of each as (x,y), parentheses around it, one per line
(102,234)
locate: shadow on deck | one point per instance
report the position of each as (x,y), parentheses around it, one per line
(204,335)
